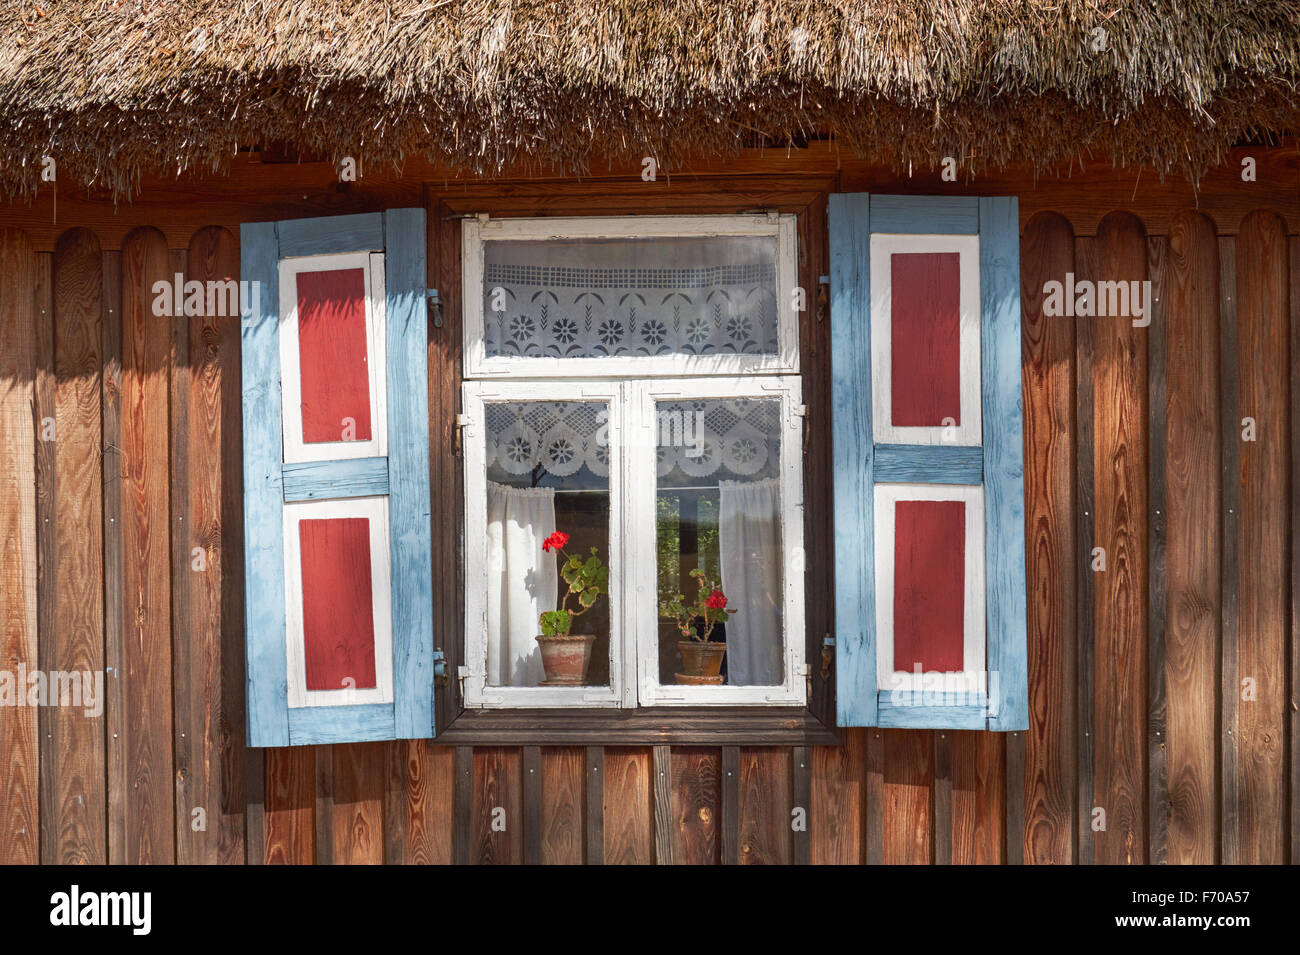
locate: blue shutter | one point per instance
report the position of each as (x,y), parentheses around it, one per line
(403,476)
(859,463)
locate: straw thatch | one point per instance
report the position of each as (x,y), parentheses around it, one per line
(117,89)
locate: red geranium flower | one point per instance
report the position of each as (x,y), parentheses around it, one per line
(716,600)
(556,541)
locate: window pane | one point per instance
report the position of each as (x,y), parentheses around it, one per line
(718,510)
(594,298)
(547,472)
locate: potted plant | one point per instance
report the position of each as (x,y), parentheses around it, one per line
(565,655)
(701,659)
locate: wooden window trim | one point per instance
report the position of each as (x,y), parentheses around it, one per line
(806,198)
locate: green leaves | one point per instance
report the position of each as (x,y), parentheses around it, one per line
(555,622)
(586,580)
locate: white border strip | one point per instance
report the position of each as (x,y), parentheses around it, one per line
(973,628)
(375,509)
(882,248)
(295,450)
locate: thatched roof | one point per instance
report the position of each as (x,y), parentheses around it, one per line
(116,89)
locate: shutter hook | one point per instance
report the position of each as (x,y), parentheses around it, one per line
(435,307)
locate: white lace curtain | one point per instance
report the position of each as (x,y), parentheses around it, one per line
(522,581)
(750,550)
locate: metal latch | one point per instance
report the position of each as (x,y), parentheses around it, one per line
(440,675)
(435,306)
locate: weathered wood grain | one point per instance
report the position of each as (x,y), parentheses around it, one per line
(498,806)
(430,803)
(74,768)
(729,781)
(1085,675)
(696,809)
(357,809)
(662,771)
(1048,346)
(532,807)
(1293,704)
(1192,539)
(190,844)
(978,793)
(463,825)
(115,710)
(942,798)
(801,808)
(323,819)
(563,787)
(764,806)
(835,818)
(1120,476)
(1230,516)
(146,541)
(1262,395)
(594,843)
(629,812)
(290,816)
(908,797)
(873,828)
(19,751)
(1157,715)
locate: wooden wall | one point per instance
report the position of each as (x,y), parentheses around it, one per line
(1134,444)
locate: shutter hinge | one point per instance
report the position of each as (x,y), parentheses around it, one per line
(461,674)
(462,421)
(434,304)
(823,295)
(828,656)
(440,675)
(802,412)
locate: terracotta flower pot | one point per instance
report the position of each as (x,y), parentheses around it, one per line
(565,658)
(701,659)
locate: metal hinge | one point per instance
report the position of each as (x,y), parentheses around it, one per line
(462,422)
(462,673)
(440,675)
(802,412)
(828,656)
(435,306)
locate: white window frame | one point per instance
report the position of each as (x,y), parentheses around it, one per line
(375,509)
(974,636)
(477,693)
(295,449)
(970,431)
(481,229)
(642,525)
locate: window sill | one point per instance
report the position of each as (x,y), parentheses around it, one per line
(733,726)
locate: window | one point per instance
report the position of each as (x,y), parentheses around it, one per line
(929,486)
(632,383)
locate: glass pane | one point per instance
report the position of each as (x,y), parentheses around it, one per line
(547,473)
(594,298)
(718,542)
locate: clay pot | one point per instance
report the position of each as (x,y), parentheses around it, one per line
(683,679)
(565,658)
(701,659)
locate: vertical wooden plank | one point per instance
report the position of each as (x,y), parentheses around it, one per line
(146,551)
(663,821)
(696,811)
(358,805)
(801,811)
(290,802)
(19,750)
(629,815)
(1263,395)
(254,769)
(463,831)
(1230,511)
(324,816)
(1192,525)
(498,816)
(730,780)
(1047,788)
(1157,716)
(943,809)
(874,818)
(1086,269)
(1293,709)
(115,709)
(765,806)
(1120,476)
(47,571)
(1004,466)
(908,810)
(595,804)
(74,771)
(1015,828)
(978,794)
(562,817)
(838,800)
(209,452)
(855,665)
(397,772)
(532,783)
(430,803)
